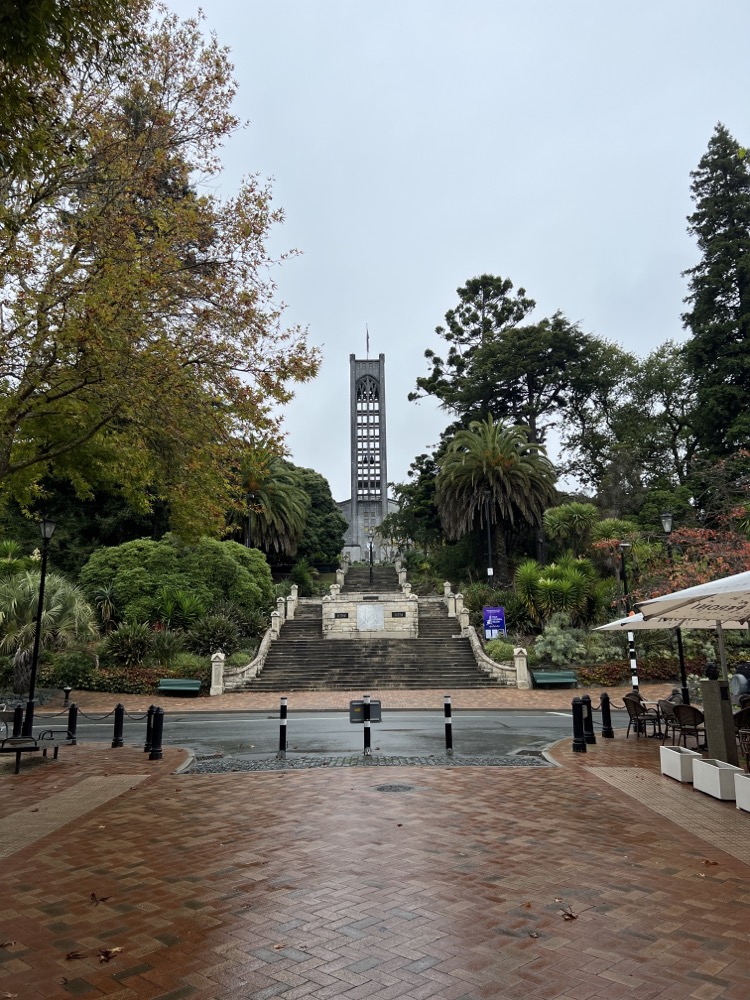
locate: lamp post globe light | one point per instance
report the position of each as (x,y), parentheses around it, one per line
(623,548)
(47,529)
(666,523)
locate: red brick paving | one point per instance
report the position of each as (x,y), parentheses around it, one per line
(315,884)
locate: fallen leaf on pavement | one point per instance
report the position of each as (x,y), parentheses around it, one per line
(7,944)
(558,899)
(533,934)
(96,899)
(277,947)
(72,955)
(568,914)
(707,862)
(527,906)
(107,954)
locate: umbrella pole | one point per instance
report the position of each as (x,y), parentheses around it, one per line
(683,672)
(722,651)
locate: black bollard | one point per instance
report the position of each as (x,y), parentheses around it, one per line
(579,743)
(448,725)
(281,755)
(588,721)
(117,740)
(18,720)
(156,735)
(73,723)
(66,691)
(149,728)
(608,732)
(366,720)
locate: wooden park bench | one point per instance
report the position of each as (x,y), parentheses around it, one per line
(19,745)
(179,685)
(558,678)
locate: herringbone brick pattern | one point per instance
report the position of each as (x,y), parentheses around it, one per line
(318,884)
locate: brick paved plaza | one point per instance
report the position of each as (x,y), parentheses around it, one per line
(324,884)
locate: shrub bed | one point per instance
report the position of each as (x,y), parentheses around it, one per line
(655,670)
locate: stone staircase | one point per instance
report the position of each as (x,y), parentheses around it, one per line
(302,660)
(384,580)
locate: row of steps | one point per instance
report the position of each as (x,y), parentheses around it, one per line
(302,660)
(384,580)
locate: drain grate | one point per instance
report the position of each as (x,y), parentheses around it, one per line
(394,788)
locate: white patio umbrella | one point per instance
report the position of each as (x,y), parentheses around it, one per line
(725,603)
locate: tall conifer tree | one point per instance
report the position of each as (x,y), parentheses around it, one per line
(719,317)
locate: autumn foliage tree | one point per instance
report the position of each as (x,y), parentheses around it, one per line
(141,344)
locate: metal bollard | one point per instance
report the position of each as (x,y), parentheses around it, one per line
(608,732)
(588,721)
(366,720)
(73,723)
(448,725)
(66,691)
(281,755)
(18,720)
(156,735)
(149,728)
(579,743)
(117,740)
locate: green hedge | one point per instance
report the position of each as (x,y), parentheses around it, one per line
(655,670)
(137,679)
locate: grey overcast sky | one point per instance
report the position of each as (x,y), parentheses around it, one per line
(416,144)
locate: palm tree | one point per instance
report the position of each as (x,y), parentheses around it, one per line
(277,506)
(66,618)
(490,468)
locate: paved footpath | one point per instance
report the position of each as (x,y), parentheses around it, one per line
(597,878)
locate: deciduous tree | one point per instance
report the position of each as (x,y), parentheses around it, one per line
(140,341)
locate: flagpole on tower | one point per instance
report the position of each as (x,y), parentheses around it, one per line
(368,341)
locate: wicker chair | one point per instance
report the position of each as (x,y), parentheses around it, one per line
(743,741)
(670,720)
(691,722)
(639,717)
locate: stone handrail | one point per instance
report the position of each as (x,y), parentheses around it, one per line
(506,673)
(235,676)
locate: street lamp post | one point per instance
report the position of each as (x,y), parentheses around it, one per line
(487,497)
(47,528)
(369,539)
(666,523)
(623,547)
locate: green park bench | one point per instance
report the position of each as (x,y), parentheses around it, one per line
(179,685)
(18,745)
(558,678)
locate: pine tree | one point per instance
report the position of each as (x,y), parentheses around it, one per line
(719,318)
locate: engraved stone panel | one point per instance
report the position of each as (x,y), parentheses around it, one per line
(370,617)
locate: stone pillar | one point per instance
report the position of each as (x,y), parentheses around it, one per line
(292,601)
(459,604)
(447,588)
(275,624)
(217,674)
(281,608)
(521,663)
(335,590)
(401,577)
(451,601)
(717,708)
(339,578)
(463,619)
(406,588)
(397,564)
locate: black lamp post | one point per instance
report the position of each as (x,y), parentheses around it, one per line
(369,539)
(47,528)
(623,547)
(666,523)
(487,497)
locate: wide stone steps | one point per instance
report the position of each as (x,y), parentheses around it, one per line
(302,660)
(384,580)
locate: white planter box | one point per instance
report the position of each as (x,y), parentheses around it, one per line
(677,762)
(715,777)
(742,790)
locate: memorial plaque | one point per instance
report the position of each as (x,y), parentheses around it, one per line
(398,614)
(341,614)
(370,618)
(370,597)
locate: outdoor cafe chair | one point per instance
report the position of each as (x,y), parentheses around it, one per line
(691,722)
(671,724)
(639,717)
